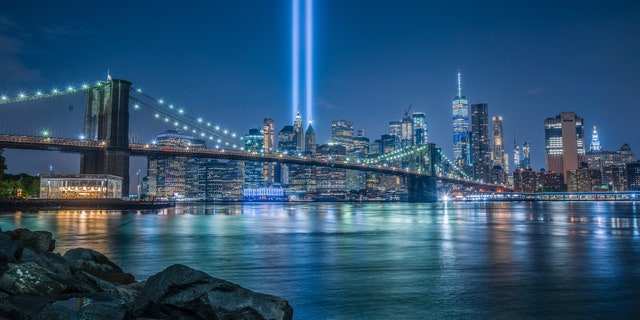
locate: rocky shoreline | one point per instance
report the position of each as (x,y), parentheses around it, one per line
(36,283)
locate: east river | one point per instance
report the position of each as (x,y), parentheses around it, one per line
(514,260)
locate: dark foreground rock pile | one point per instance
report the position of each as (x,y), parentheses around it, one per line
(36,283)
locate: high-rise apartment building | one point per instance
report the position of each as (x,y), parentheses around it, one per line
(564,142)
(342,134)
(460,107)
(480,141)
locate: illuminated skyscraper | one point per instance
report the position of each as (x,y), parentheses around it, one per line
(516,155)
(526,156)
(310,140)
(460,107)
(406,129)
(268,134)
(498,142)
(298,133)
(564,142)
(420,130)
(595,141)
(253,170)
(342,134)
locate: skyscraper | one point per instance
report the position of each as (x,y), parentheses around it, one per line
(406,129)
(526,156)
(268,138)
(516,155)
(564,142)
(298,133)
(310,140)
(498,142)
(253,171)
(342,134)
(480,143)
(595,141)
(460,107)
(420,132)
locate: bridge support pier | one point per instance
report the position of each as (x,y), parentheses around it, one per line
(422,189)
(107,120)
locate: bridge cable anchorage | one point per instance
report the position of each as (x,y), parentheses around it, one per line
(55,92)
(197,125)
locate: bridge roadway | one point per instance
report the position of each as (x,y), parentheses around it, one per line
(79,146)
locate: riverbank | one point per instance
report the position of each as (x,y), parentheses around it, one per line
(108,204)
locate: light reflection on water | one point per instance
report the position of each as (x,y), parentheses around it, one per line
(384,260)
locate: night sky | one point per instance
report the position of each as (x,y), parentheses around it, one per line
(230,61)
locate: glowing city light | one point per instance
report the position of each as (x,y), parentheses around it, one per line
(295,58)
(309,56)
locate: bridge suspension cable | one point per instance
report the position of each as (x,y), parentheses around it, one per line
(197,126)
(55,92)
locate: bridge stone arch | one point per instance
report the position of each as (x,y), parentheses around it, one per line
(107,120)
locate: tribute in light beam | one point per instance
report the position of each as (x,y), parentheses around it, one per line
(309,57)
(295,57)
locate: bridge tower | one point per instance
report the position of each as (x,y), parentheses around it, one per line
(106,120)
(423,188)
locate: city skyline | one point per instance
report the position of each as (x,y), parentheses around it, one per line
(230,57)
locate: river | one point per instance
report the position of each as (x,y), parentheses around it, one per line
(510,260)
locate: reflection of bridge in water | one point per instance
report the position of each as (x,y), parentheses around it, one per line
(106,147)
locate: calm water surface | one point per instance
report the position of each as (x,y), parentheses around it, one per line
(384,261)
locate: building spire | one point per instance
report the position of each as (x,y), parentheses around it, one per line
(459,85)
(595,141)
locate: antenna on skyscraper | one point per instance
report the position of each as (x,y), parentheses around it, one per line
(459,85)
(108,75)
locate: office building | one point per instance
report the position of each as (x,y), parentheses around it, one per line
(564,142)
(633,176)
(498,142)
(310,140)
(420,128)
(460,108)
(595,145)
(480,142)
(406,129)
(268,138)
(342,134)
(253,170)
(583,180)
(298,133)
(526,156)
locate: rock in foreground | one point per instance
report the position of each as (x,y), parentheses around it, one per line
(36,283)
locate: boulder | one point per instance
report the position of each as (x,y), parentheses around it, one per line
(180,291)
(31,279)
(37,240)
(96,264)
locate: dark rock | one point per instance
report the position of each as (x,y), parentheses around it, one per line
(98,265)
(180,291)
(48,260)
(9,248)
(37,240)
(31,279)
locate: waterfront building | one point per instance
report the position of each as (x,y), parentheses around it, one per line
(564,142)
(420,128)
(600,159)
(525,180)
(584,180)
(342,134)
(497,175)
(174,176)
(287,145)
(218,180)
(551,181)
(633,176)
(615,177)
(310,140)
(460,108)
(80,186)
(480,142)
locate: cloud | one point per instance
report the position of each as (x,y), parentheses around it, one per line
(13,69)
(6,23)
(67,29)
(534,91)
(327,105)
